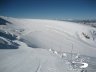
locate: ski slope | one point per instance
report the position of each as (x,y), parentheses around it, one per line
(37,36)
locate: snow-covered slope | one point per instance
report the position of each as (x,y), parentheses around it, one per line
(60,36)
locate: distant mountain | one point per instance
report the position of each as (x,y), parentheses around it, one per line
(87,22)
(3,21)
(7,40)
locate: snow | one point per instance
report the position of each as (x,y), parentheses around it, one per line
(4,39)
(85,65)
(31,60)
(46,46)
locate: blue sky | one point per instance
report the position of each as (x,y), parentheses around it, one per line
(49,9)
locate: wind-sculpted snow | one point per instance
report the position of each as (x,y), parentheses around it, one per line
(47,46)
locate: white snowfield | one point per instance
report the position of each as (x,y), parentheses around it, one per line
(48,41)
